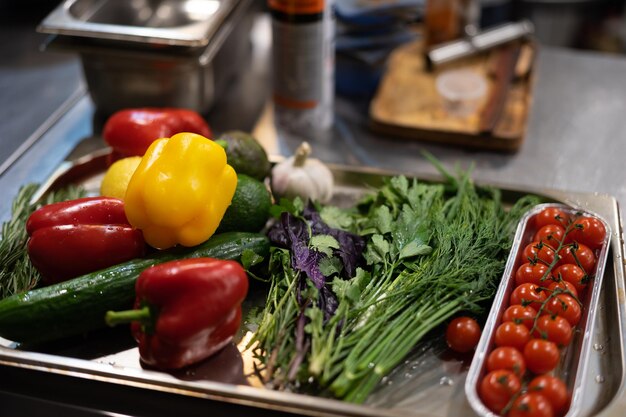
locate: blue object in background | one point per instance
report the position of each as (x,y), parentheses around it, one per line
(367,32)
(372,10)
(356,79)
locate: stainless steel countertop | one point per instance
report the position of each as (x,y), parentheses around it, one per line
(576,138)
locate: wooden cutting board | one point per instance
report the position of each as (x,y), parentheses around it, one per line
(407,104)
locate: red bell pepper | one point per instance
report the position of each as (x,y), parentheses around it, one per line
(185,310)
(75,237)
(130,132)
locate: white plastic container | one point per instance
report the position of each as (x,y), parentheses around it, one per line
(462,91)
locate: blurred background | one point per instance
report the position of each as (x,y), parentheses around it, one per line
(366,32)
(583,24)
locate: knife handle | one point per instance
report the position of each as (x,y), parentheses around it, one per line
(502,71)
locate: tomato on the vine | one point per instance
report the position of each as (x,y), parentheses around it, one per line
(520,314)
(578,254)
(573,274)
(531,405)
(553,328)
(463,334)
(538,252)
(531,272)
(511,334)
(564,287)
(541,355)
(587,230)
(565,306)
(528,294)
(497,388)
(551,234)
(553,389)
(552,215)
(506,357)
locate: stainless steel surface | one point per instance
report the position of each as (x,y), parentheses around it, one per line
(49,79)
(154,22)
(575,142)
(490,38)
(575,368)
(426,384)
(123,74)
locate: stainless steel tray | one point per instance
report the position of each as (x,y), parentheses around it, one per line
(572,368)
(88,372)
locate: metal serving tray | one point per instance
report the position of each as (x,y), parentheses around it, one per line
(572,368)
(90,371)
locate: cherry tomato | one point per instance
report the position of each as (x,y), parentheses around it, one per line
(511,334)
(587,230)
(531,405)
(551,215)
(565,306)
(578,254)
(563,287)
(553,328)
(497,388)
(463,334)
(528,294)
(573,274)
(520,314)
(553,389)
(506,357)
(530,272)
(551,234)
(541,356)
(538,252)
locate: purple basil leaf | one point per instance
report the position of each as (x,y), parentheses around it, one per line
(292,233)
(351,246)
(279,233)
(307,260)
(350,251)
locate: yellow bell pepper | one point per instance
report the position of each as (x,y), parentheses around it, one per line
(180,191)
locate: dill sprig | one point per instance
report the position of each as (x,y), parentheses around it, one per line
(17,274)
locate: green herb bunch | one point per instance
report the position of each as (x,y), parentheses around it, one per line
(432,251)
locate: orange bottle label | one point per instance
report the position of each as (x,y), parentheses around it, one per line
(297,6)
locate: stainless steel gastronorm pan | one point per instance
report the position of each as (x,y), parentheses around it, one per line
(575,358)
(136,53)
(88,372)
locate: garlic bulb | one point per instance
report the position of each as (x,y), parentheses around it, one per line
(299,175)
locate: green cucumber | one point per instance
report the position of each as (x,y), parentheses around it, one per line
(79,305)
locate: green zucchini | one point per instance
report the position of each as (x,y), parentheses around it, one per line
(78,305)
